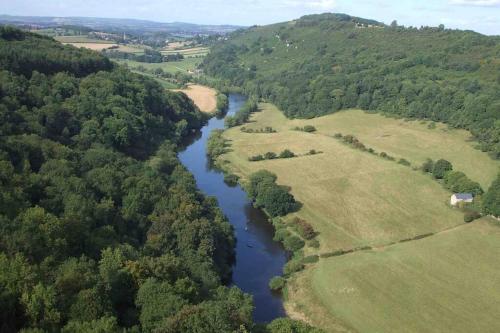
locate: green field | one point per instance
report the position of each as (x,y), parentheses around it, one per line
(354,198)
(444,283)
(190,52)
(183,66)
(412,140)
(81,39)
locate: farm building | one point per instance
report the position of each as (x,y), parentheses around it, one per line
(461,197)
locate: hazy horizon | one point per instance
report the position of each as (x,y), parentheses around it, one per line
(477,15)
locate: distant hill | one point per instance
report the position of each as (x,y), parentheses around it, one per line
(117,25)
(320,64)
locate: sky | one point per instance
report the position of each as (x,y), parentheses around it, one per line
(479,15)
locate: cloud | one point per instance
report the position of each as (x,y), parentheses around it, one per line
(316,4)
(480,3)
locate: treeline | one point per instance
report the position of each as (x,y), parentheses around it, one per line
(101,228)
(325,63)
(149,56)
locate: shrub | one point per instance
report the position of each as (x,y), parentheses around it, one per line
(256,158)
(270,155)
(304,228)
(294,265)
(277,283)
(441,167)
(312,152)
(286,154)
(314,243)
(309,129)
(281,234)
(428,165)
(458,182)
(403,161)
(231,179)
(337,135)
(310,259)
(293,243)
(471,215)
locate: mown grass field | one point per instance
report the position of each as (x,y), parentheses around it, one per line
(205,98)
(445,283)
(412,140)
(189,52)
(188,64)
(353,199)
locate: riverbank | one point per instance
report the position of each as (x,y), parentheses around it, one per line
(258,257)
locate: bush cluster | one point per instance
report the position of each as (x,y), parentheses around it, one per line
(275,199)
(306,128)
(216,144)
(266,129)
(271,155)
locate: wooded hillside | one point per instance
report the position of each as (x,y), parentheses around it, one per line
(320,64)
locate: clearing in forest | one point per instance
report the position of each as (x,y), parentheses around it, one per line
(205,98)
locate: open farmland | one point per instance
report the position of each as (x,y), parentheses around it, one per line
(183,66)
(189,52)
(352,198)
(445,283)
(355,199)
(85,42)
(205,98)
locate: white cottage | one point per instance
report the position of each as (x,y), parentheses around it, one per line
(461,197)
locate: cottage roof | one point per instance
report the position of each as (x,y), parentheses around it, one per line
(463,196)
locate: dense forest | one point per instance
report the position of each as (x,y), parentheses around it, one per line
(320,64)
(101,228)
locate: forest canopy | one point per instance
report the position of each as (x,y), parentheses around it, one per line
(101,227)
(320,64)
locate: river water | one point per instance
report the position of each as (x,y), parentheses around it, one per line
(258,257)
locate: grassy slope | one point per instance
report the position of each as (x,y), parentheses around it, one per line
(354,198)
(444,283)
(412,140)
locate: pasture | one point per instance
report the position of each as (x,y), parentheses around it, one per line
(444,283)
(204,98)
(183,66)
(351,197)
(188,52)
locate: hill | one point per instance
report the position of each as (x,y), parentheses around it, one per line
(320,64)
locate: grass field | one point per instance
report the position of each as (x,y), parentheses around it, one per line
(353,199)
(205,98)
(183,66)
(189,52)
(80,39)
(445,283)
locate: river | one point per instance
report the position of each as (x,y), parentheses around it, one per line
(258,257)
